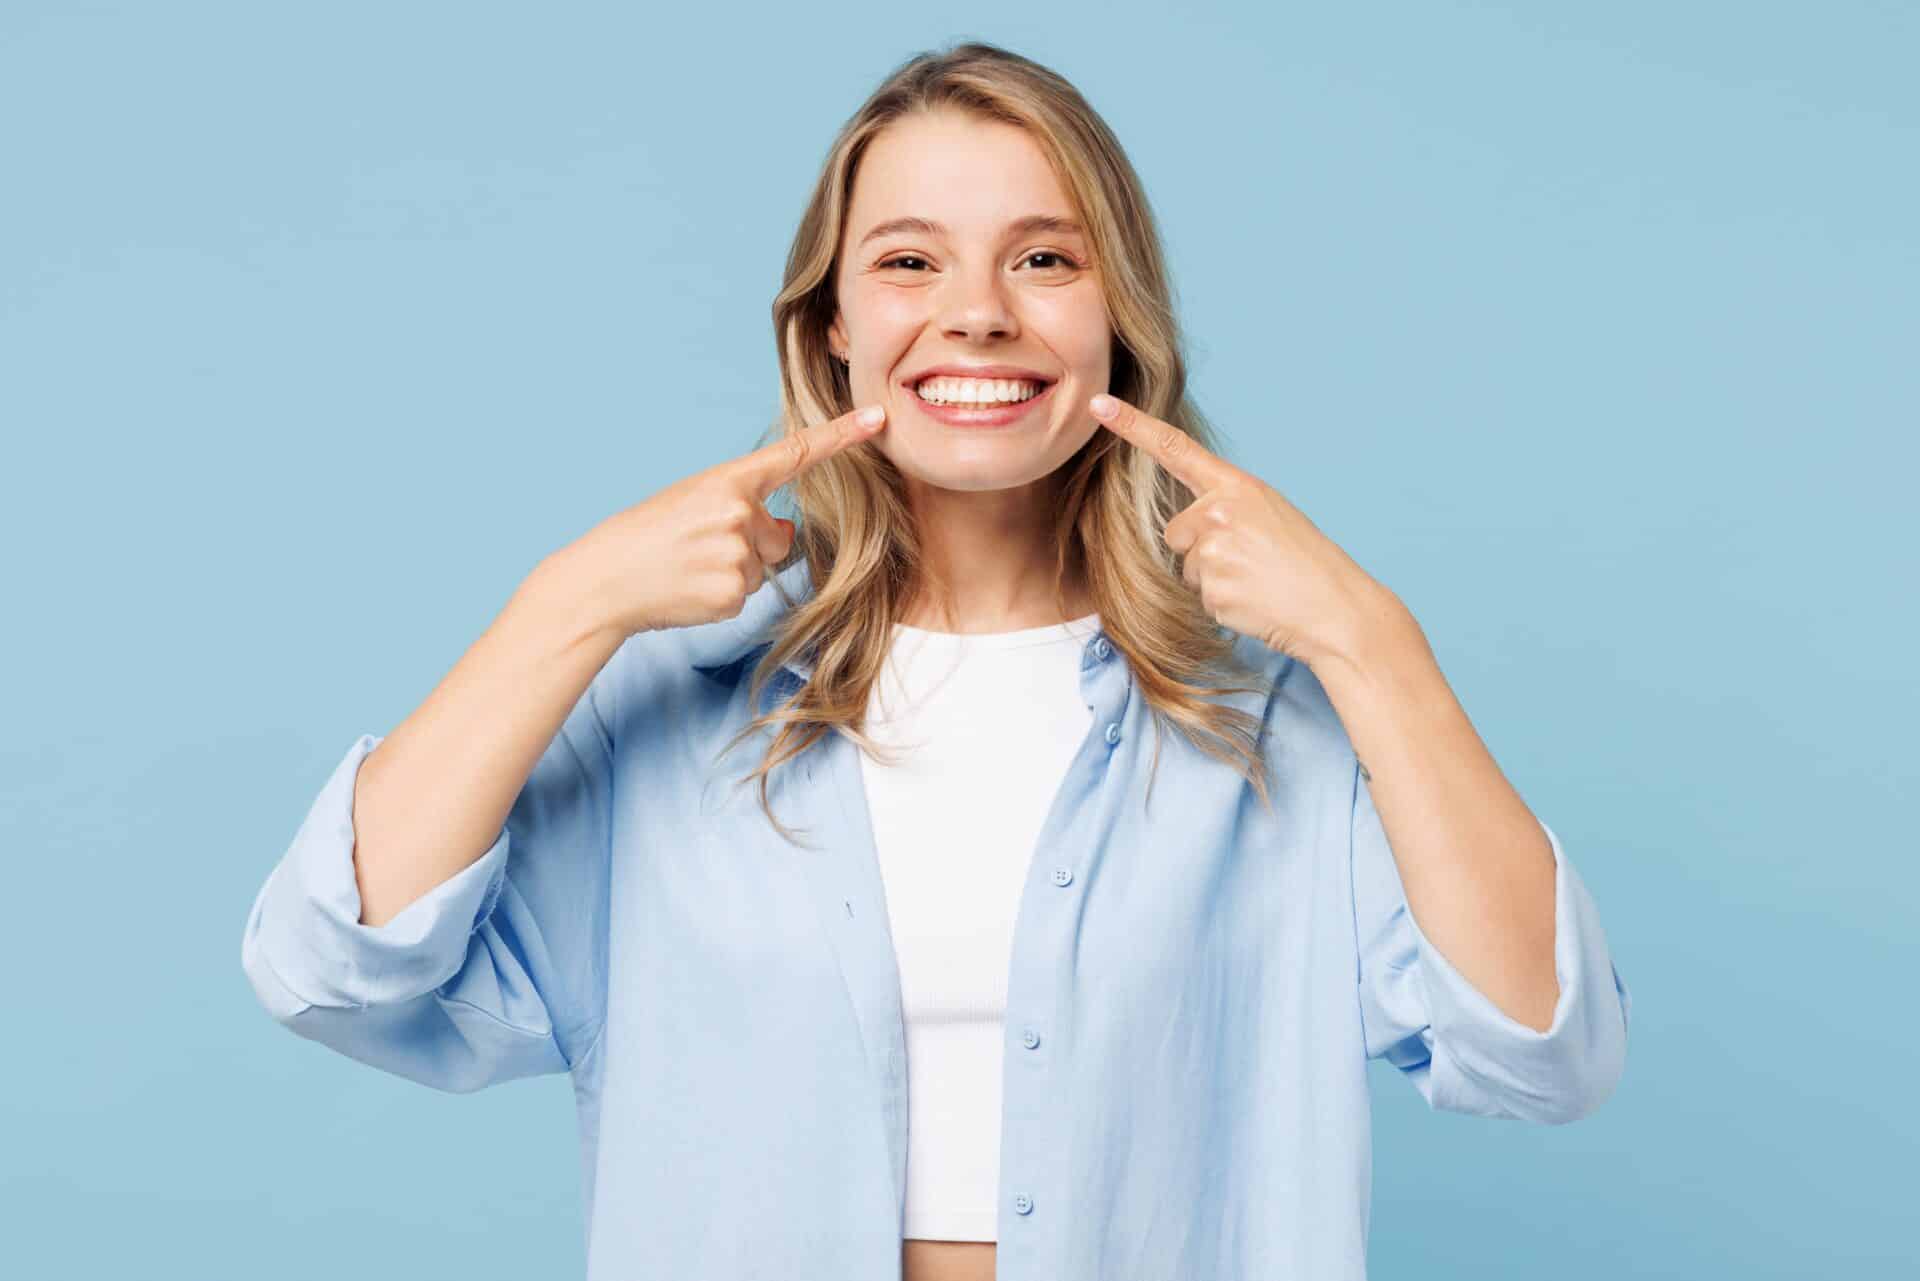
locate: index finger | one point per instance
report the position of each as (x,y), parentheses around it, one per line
(1192,463)
(771,466)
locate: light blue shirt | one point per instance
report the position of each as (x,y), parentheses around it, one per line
(1195,987)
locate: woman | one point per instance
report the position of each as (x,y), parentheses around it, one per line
(955,991)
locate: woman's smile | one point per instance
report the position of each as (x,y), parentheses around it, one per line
(986,413)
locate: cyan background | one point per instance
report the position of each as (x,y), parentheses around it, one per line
(1589,329)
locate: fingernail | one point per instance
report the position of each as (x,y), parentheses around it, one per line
(871,416)
(1104,404)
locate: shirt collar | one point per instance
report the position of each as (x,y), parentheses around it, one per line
(723,650)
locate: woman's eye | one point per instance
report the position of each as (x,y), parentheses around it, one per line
(1060,260)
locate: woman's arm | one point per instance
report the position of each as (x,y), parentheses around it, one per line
(448,925)
(431,798)
(1478,870)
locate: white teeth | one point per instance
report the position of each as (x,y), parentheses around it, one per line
(942,390)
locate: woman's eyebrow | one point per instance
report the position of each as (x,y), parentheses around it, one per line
(1018,227)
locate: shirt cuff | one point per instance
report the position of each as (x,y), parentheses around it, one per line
(1486,1062)
(304,930)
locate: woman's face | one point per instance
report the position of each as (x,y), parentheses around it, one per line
(979,289)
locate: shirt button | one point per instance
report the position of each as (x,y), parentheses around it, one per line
(1023,1203)
(1113,732)
(1063,876)
(1029,1038)
(1102,650)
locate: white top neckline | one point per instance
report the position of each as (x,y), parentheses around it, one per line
(1046,633)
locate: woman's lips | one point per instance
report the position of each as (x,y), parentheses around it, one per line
(973,416)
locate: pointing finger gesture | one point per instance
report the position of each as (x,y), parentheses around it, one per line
(696,550)
(1260,566)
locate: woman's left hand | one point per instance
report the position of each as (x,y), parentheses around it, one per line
(1261,567)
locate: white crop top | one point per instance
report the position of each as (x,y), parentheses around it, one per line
(988,724)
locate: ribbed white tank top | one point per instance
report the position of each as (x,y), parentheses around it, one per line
(988,724)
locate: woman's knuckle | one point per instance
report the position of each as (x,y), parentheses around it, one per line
(796,447)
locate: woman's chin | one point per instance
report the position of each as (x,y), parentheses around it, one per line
(970,467)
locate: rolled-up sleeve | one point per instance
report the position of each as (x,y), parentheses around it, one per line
(1459,1049)
(496,973)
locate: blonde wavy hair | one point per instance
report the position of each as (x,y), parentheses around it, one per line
(854,528)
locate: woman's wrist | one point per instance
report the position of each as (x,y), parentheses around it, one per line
(565,595)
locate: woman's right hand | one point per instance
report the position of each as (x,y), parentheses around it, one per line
(696,550)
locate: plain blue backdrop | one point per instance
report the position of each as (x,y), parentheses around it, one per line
(1590,330)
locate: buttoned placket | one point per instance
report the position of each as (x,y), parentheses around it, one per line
(1065,860)
(845,877)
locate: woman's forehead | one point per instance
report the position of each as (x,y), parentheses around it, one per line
(972,177)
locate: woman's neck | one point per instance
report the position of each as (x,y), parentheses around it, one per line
(989,560)
(999,607)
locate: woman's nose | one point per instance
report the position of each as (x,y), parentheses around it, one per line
(974,307)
